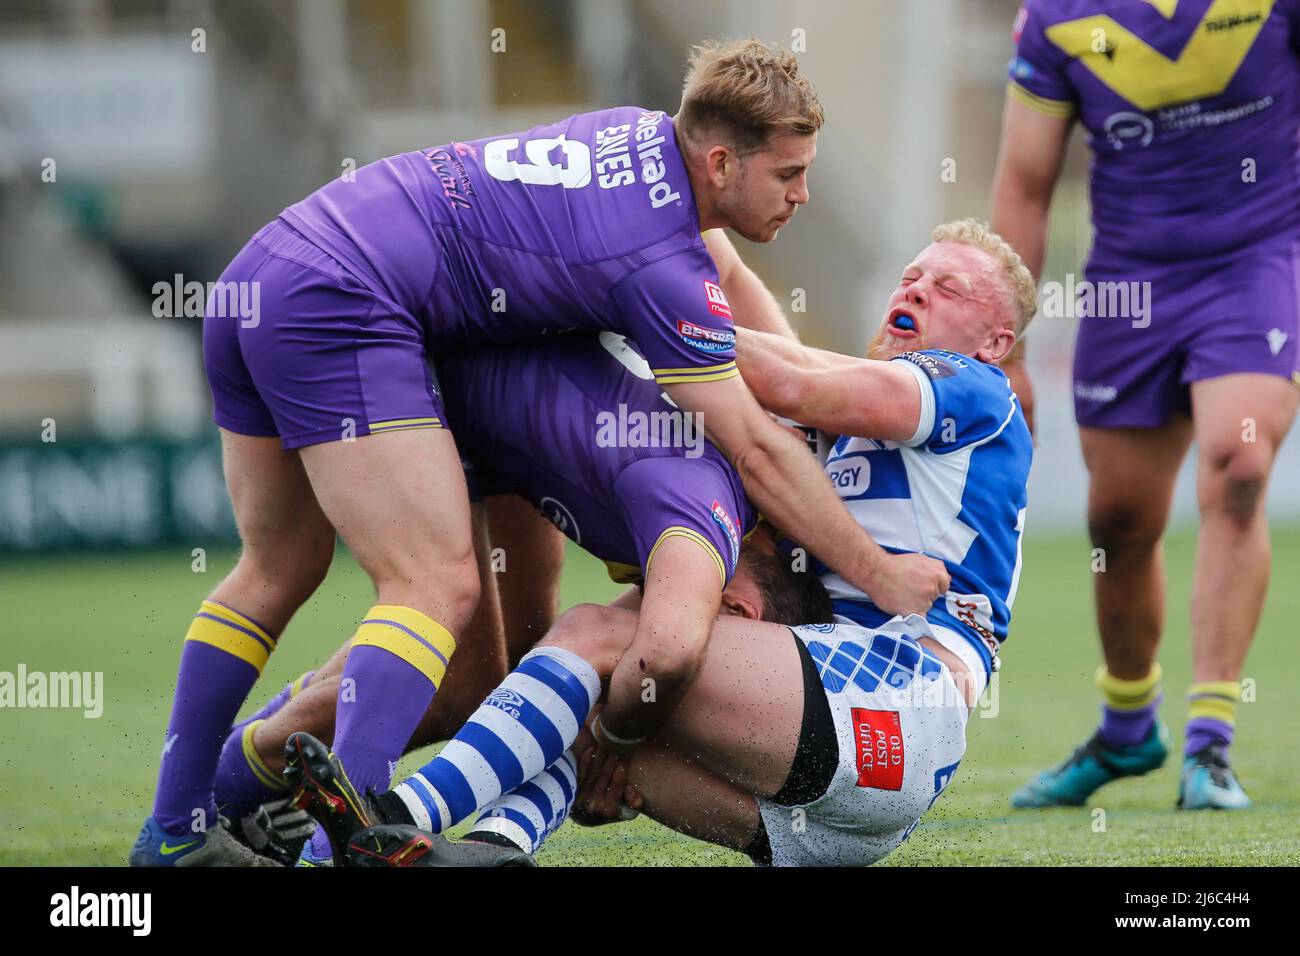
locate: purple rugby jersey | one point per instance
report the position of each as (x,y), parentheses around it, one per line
(1192,111)
(1176,97)
(576,425)
(588,223)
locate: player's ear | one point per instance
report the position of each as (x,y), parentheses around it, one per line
(1003,341)
(720,164)
(734,605)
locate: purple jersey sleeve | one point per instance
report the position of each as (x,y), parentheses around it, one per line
(709,509)
(1037,76)
(675,312)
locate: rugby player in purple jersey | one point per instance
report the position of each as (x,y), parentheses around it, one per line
(1192,111)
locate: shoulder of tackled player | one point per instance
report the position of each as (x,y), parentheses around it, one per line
(863,398)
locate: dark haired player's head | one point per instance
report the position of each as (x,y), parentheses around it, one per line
(767,586)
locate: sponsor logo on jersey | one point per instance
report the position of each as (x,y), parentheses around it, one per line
(561,517)
(1022,69)
(976,612)
(851,474)
(933,365)
(618,164)
(1126,130)
(878,739)
(728,528)
(1232,21)
(717,299)
(706,339)
(650,157)
(1018,26)
(1176,119)
(452,175)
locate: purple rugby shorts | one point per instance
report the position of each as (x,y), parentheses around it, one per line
(1193,321)
(320,356)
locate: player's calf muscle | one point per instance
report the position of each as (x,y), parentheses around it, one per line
(599,635)
(276,586)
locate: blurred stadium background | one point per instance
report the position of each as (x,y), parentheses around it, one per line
(145,140)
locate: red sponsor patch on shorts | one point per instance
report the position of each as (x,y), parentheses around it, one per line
(717,299)
(878,737)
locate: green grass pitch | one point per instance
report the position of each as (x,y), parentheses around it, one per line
(73,791)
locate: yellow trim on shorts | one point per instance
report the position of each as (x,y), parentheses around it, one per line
(399,424)
(1040,104)
(677,531)
(255,763)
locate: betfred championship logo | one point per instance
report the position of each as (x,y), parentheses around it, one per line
(728,528)
(705,339)
(718,304)
(878,737)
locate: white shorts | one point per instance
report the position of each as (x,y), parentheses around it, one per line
(900,724)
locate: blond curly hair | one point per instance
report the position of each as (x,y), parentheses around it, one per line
(1016,276)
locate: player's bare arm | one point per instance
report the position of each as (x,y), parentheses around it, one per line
(682,594)
(838,394)
(1029,164)
(788,486)
(752,304)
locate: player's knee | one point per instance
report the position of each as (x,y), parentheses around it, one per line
(593,632)
(463,588)
(292,568)
(448,592)
(1124,527)
(1235,483)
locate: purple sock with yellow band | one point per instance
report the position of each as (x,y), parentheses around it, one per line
(397,661)
(243,780)
(223,656)
(1130,706)
(1211,714)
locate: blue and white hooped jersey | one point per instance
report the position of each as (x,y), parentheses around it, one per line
(955,491)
